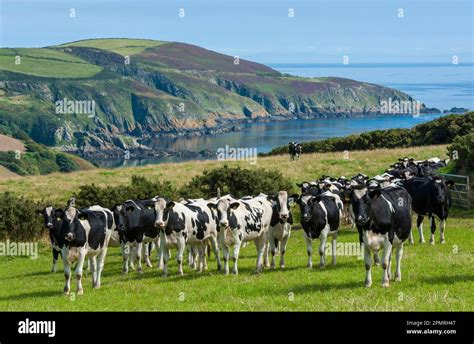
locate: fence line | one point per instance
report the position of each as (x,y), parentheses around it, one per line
(460,193)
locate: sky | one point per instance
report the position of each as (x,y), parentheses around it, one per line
(320,31)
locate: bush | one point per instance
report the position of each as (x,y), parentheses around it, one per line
(235,181)
(18,219)
(464,146)
(140,188)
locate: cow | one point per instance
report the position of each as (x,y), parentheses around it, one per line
(385,216)
(431,197)
(139,231)
(178,223)
(280,226)
(85,232)
(295,150)
(240,221)
(53,222)
(309,188)
(320,217)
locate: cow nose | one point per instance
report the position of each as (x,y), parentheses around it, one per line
(159,224)
(69,237)
(120,227)
(49,225)
(224,223)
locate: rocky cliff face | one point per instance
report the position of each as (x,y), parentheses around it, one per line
(162,89)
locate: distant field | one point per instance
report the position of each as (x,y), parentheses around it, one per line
(117,45)
(8,143)
(46,62)
(58,187)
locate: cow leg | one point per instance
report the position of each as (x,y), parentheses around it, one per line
(442,227)
(80,264)
(159,253)
(387,251)
(138,257)
(181,242)
(266,249)
(272,247)
(55,260)
(433,229)
(93,264)
(100,266)
(67,271)
(201,250)
(322,248)
(126,256)
(376,258)
(334,248)
(410,238)
(398,271)
(215,249)
(226,254)
(368,266)
(419,225)
(166,257)
(146,249)
(261,245)
(309,249)
(206,251)
(191,257)
(88,266)
(235,257)
(283,244)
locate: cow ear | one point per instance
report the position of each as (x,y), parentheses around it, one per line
(130,209)
(375,193)
(211,205)
(234,205)
(83,216)
(295,198)
(450,183)
(170,204)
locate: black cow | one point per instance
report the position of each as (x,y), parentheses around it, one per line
(139,230)
(384,215)
(85,232)
(320,217)
(431,196)
(53,222)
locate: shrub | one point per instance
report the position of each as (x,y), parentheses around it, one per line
(140,188)
(464,145)
(236,181)
(18,219)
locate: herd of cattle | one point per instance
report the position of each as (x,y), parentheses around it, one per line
(380,207)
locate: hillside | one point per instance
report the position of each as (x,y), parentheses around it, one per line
(143,87)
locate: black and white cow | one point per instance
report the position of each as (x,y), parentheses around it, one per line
(240,221)
(431,197)
(295,149)
(53,222)
(139,231)
(192,223)
(280,226)
(320,217)
(85,233)
(385,217)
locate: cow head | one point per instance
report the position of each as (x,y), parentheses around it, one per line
(223,207)
(439,190)
(305,203)
(72,228)
(48,216)
(132,213)
(281,203)
(360,203)
(118,210)
(162,206)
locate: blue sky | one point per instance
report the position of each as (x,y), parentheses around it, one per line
(259,30)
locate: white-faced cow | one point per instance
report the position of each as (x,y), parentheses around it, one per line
(192,223)
(85,233)
(280,226)
(431,197)
(244,220)
(385,217)
(53,222)
(320,217)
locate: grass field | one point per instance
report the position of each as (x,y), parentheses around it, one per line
(434,278)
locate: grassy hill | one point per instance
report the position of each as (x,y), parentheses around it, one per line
(144,87)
